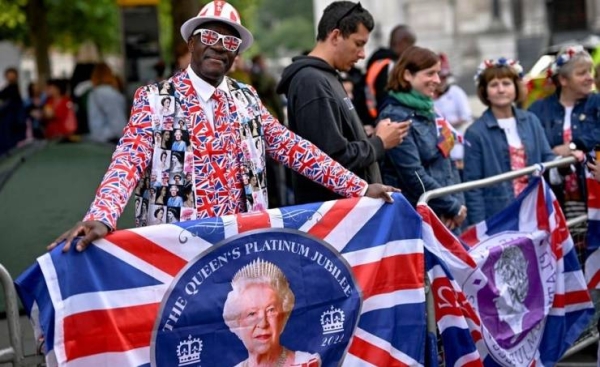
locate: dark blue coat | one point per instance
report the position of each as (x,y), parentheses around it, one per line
(486,155)
(417,165)
(585,127)
(585,120)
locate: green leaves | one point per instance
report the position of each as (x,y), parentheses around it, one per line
(12,20)
(75,22)
(71,22)
(280,27)
(12,15)
(285,27)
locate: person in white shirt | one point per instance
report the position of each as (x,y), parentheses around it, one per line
(452,103)
(451,100)
(503,139)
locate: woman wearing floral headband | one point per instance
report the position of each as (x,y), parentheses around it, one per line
(422,161)
(571,120)
(504,138)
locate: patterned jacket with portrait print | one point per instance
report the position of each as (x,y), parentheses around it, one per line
(226,178)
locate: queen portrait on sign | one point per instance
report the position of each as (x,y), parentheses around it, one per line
(510,273)
(257,310)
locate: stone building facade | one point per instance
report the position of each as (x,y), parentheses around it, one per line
(471,30)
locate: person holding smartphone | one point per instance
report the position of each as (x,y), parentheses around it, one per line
(320,110)
(421,162)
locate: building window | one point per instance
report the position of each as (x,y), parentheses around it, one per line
(567,15)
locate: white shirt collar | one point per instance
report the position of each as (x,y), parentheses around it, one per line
(203,89)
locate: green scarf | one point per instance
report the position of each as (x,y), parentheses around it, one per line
(419,102)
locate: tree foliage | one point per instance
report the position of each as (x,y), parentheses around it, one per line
(75,22)
(285,27)
(280,27)
(71,22)
(12,20)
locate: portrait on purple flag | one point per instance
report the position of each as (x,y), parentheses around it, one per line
(513,292)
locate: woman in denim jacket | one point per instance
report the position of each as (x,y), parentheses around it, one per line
(504,138)
(571,119)
(421,162)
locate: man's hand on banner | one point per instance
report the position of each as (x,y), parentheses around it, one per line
(379,191)
(91,230)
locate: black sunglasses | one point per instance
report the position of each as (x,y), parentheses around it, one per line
(356,6)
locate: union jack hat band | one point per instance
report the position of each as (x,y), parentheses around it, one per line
(218,11)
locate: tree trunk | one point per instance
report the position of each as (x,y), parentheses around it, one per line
(182,10)
(37,23)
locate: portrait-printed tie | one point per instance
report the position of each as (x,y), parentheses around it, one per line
(221,166)
(219,110)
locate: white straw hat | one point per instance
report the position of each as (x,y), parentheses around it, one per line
(220,11)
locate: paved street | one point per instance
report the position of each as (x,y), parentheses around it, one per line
(44,190)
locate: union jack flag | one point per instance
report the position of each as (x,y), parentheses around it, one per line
(592,261)
(98,307)
(533,335)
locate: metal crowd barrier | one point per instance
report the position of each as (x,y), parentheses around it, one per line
(577,227)
(14,353)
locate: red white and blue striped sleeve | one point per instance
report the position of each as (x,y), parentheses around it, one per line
(130,159)
(302,156)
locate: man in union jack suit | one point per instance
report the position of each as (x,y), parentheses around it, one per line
(215,132)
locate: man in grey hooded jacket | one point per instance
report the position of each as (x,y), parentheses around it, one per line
(319,109)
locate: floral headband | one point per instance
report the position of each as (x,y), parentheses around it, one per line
(564,57)
(498,63)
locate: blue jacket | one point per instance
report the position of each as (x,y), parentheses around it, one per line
(486,155)
(585,120)
(417,165)
(585,127)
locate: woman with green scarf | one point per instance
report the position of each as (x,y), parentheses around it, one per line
(422,161)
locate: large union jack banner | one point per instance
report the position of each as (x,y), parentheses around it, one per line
(514,295)
(100,307)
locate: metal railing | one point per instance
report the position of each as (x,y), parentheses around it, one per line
(428,195)
(578,228)
(14,353)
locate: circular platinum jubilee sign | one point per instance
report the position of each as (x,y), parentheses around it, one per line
(277,296)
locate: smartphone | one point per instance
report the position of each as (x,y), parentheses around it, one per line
(597,152)
(590,158)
